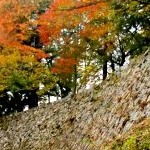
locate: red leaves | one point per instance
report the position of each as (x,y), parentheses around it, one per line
(14,19)
(44,34)
(40,55)
(16,24)
(64,66)
(69,14)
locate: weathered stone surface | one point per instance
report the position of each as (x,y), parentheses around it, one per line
(95,116)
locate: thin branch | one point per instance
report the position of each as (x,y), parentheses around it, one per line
(81,6)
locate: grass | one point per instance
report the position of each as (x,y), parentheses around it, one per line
(137,139)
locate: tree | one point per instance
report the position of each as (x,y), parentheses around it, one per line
(131,22)
(80,19)
(18,26)
(23,72)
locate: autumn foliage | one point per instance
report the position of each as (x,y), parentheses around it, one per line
(16,25)
(85,19)
(69,14)
(70,34)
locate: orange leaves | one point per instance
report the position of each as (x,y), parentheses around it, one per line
(62,4)
(95,32)
(16,25)
(28,50)
(64,66)
(44,34)
(69,14)
(14,19)
(51,23)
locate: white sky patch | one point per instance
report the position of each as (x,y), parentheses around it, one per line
(54,98)
(96,79)
(48,99)
(41,86)
(62,41)
(10,93)
(43,60)
(26,108)
(140,10)
(132,29)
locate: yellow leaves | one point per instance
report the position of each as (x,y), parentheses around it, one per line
(63,4)
(18,27)
(28,71)
(87,72)
(10,58)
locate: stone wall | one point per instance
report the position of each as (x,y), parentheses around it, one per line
(93,118)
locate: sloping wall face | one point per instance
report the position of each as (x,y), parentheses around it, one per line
(94,117)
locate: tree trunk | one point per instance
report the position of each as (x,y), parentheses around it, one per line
(105,69)
(112,63)
(75,80)
(123,57)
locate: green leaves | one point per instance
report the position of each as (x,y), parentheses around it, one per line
(131,21)
(17,81)
(19,71)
